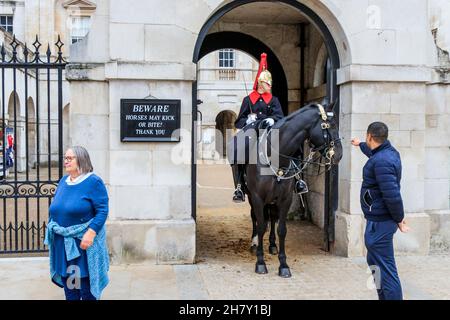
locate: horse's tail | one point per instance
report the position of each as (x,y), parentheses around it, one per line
(270,213)
(267,212)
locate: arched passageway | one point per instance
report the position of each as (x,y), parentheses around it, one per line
(303,58)
(254,47)
(224,123)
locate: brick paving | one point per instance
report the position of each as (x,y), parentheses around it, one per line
(225,267)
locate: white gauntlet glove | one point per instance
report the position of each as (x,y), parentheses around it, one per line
(269,121)
(251,118)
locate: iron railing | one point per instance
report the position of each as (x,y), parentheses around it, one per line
(31,158)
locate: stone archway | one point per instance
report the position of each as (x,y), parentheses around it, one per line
(31,133)
(213,27)
(253,47)
(224,122)
(16,127)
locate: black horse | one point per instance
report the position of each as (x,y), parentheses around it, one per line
(270,195)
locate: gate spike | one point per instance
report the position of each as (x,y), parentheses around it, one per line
(36,45)
(14,45)
(59,44)
(25,53)
(49,53)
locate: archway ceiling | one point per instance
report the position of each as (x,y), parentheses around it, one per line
(265,13)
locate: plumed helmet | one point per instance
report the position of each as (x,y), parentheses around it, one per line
(266,77)
(263,74)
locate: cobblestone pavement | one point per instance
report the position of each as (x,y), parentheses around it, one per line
(227,267)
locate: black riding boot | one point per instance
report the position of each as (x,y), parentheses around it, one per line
(238,195)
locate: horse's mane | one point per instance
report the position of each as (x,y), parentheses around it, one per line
(294,114)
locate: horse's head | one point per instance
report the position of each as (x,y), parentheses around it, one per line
(324,135)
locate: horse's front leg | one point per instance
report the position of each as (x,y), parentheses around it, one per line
(254,245)
(283,270)
(272,237)
(258,208)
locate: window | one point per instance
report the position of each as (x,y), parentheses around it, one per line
(6,22)
(227,58)
(80,28)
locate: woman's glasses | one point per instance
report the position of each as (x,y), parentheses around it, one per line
(68,158)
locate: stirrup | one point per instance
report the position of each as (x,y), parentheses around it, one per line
(239,195)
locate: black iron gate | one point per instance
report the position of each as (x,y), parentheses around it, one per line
(31,142)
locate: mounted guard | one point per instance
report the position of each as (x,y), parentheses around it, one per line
(260,109)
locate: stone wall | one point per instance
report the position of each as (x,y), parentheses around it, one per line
(402,107)
(383,76)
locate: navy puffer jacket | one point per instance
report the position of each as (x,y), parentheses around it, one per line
(380,191)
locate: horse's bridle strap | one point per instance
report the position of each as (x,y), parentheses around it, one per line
(323,114)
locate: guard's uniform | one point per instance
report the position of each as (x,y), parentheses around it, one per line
(256,107)
(264,106)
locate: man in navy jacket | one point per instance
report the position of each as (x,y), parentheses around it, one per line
(382,205)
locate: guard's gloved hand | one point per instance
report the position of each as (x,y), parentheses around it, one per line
(250,120)
(269,122)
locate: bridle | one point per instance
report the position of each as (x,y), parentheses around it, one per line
(327,149)
(296,165)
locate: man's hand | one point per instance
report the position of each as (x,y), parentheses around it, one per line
(88,239)
(356,142)
(403,227)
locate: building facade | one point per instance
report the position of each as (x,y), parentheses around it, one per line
(384,60)
(224,79)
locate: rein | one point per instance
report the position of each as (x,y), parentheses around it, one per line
(296,165)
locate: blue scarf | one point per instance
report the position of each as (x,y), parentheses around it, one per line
(97,254)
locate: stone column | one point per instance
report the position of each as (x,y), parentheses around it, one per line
(400,103)
(437,164)
(149,183)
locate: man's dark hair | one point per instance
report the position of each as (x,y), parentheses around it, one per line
(379,131)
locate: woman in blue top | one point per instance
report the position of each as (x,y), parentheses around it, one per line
(77,215)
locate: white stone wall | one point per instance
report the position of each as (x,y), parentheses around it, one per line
(387,55)
(437,156)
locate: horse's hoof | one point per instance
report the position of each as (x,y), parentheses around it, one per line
(253,250)
(273,250)
(261,269)
(284,272)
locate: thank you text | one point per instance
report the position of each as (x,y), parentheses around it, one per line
(149,120)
